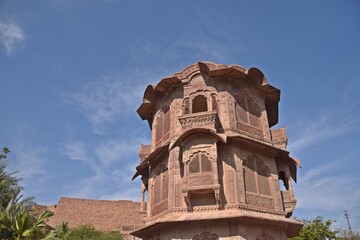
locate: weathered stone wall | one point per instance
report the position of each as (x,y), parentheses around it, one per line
(219,231)
(105,215)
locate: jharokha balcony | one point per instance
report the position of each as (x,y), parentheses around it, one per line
(199,120)
(289,202)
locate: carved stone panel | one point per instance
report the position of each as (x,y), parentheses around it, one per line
(248,115)
(259,201)
(200,180)
(198,120)
(205,199)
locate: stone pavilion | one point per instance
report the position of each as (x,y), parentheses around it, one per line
(215,168)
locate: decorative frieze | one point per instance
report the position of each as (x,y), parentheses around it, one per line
(201,180)
(198,120)
(259,201)
(250,129)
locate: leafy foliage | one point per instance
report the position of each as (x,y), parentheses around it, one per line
(18,223)
(9,185)
(320,229)
(16,220)
(62,232)
(317,228)
(88,232)
(85,232)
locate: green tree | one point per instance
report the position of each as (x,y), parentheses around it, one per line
(317,229)
(8,182)
(9,185)
(16,222)
(16,219)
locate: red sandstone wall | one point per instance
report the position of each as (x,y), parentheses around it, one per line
(104,215)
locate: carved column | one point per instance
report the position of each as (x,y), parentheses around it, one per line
(143,189)
(240,180)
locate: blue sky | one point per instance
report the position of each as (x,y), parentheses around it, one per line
(73,73)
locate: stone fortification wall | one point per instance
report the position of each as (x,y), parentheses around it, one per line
(104,215)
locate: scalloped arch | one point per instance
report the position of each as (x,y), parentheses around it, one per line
(200,151)
(190,132)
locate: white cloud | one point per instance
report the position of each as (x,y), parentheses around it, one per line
(110,97)
(199,41)
(132,193)
(320,129)
(113,150)
(75,150)
(10,35)
(29,161)
(112,166)
(204,47)
(322,183)
(61,4)
(107,183)
(195,47)
(329,189)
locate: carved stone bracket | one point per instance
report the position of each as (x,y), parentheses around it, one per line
(289,202)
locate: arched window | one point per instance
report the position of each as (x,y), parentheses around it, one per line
(186,107)
(283,181)
(254,113)
(157,187)
(194,166)
(161,184)
(248,114)
(250,177)
(213,103)
(162,125)
(159,127)
(199,163)
(256,176)
(241,109)
(199,104)
(263,173)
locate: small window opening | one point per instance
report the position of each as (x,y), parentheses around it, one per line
(213,103)
(284,185)
(205,163)
(194,165)
(186,109)
(199,104)
(200,163)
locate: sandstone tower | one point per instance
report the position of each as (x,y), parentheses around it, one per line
(215,169)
